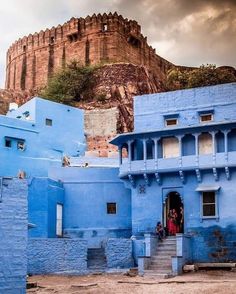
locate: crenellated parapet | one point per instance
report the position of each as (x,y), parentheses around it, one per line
(32,59)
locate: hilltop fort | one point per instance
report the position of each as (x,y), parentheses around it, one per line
(91,40)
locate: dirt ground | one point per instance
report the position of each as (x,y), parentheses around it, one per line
(207,282)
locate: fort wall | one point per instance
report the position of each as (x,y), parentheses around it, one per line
(91,40)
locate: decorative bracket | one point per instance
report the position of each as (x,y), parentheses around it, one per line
(198,174)
(181,174)
(132,181)
(227,172)
(215,173)
(146,179)
(158,179)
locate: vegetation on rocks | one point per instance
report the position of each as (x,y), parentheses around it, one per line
(206,75)
(70,84)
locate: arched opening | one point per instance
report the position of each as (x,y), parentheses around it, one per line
(174,214)
(188,145)
(232,140)
(124,152)
(170,147)
(205,144)
(137,150)
(220,142)
(150,149)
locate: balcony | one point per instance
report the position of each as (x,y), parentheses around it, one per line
(184,163)
(178,150)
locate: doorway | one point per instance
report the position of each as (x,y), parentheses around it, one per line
(174,201)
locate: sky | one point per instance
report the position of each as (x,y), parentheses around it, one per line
(185,32)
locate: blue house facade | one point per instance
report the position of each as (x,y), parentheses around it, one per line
(37,135)
(182,154)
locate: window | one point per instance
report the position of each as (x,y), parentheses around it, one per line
(208,204)
(21,145)
(59,220)
(206,117)
(8,143)
(48,122)
(171,122)
(111,208)
(104,27)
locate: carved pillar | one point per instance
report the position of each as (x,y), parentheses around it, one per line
(196,147)
(180,150)
(144,149)
(226,144)
(226,141)
(156,148)
(180,145)
(213,135)
(129,151)
(196,144)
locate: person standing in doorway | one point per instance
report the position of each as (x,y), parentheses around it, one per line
(181,222)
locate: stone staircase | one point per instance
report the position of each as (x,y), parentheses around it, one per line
(160,265)
(96,259)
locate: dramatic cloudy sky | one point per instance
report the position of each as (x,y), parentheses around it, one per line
(186,32)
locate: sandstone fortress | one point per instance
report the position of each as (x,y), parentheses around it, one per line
(91,40)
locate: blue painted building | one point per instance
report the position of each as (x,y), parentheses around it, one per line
(182,153)
(37,135)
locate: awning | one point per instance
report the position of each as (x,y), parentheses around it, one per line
(203,188)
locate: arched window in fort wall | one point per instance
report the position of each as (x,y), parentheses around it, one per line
(87,49)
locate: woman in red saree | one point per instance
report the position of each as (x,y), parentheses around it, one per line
(172,222)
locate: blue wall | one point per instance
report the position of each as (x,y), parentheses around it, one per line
(44,194)
(119,253)
(13,235)
(149,110)
(44,145)
(57,256)
(87,192)
(212,239)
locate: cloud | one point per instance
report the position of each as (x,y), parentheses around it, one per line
(182,31)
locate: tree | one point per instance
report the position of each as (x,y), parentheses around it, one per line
(71,84)
(206,75)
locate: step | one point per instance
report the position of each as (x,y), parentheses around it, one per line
(162,249)
(161,263)
(160,268)
(158,274)
(161,257)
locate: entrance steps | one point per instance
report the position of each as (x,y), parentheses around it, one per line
(161,264)
(96,259)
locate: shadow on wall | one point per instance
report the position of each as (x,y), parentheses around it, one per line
(214,244)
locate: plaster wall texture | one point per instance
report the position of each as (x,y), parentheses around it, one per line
(211,239)
(119,253)
(149,110)
(87,192)
(13,235)
(43,196)
(101,122)
(44,145)
(57,256)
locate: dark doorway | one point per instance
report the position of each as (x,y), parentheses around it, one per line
(174,202)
